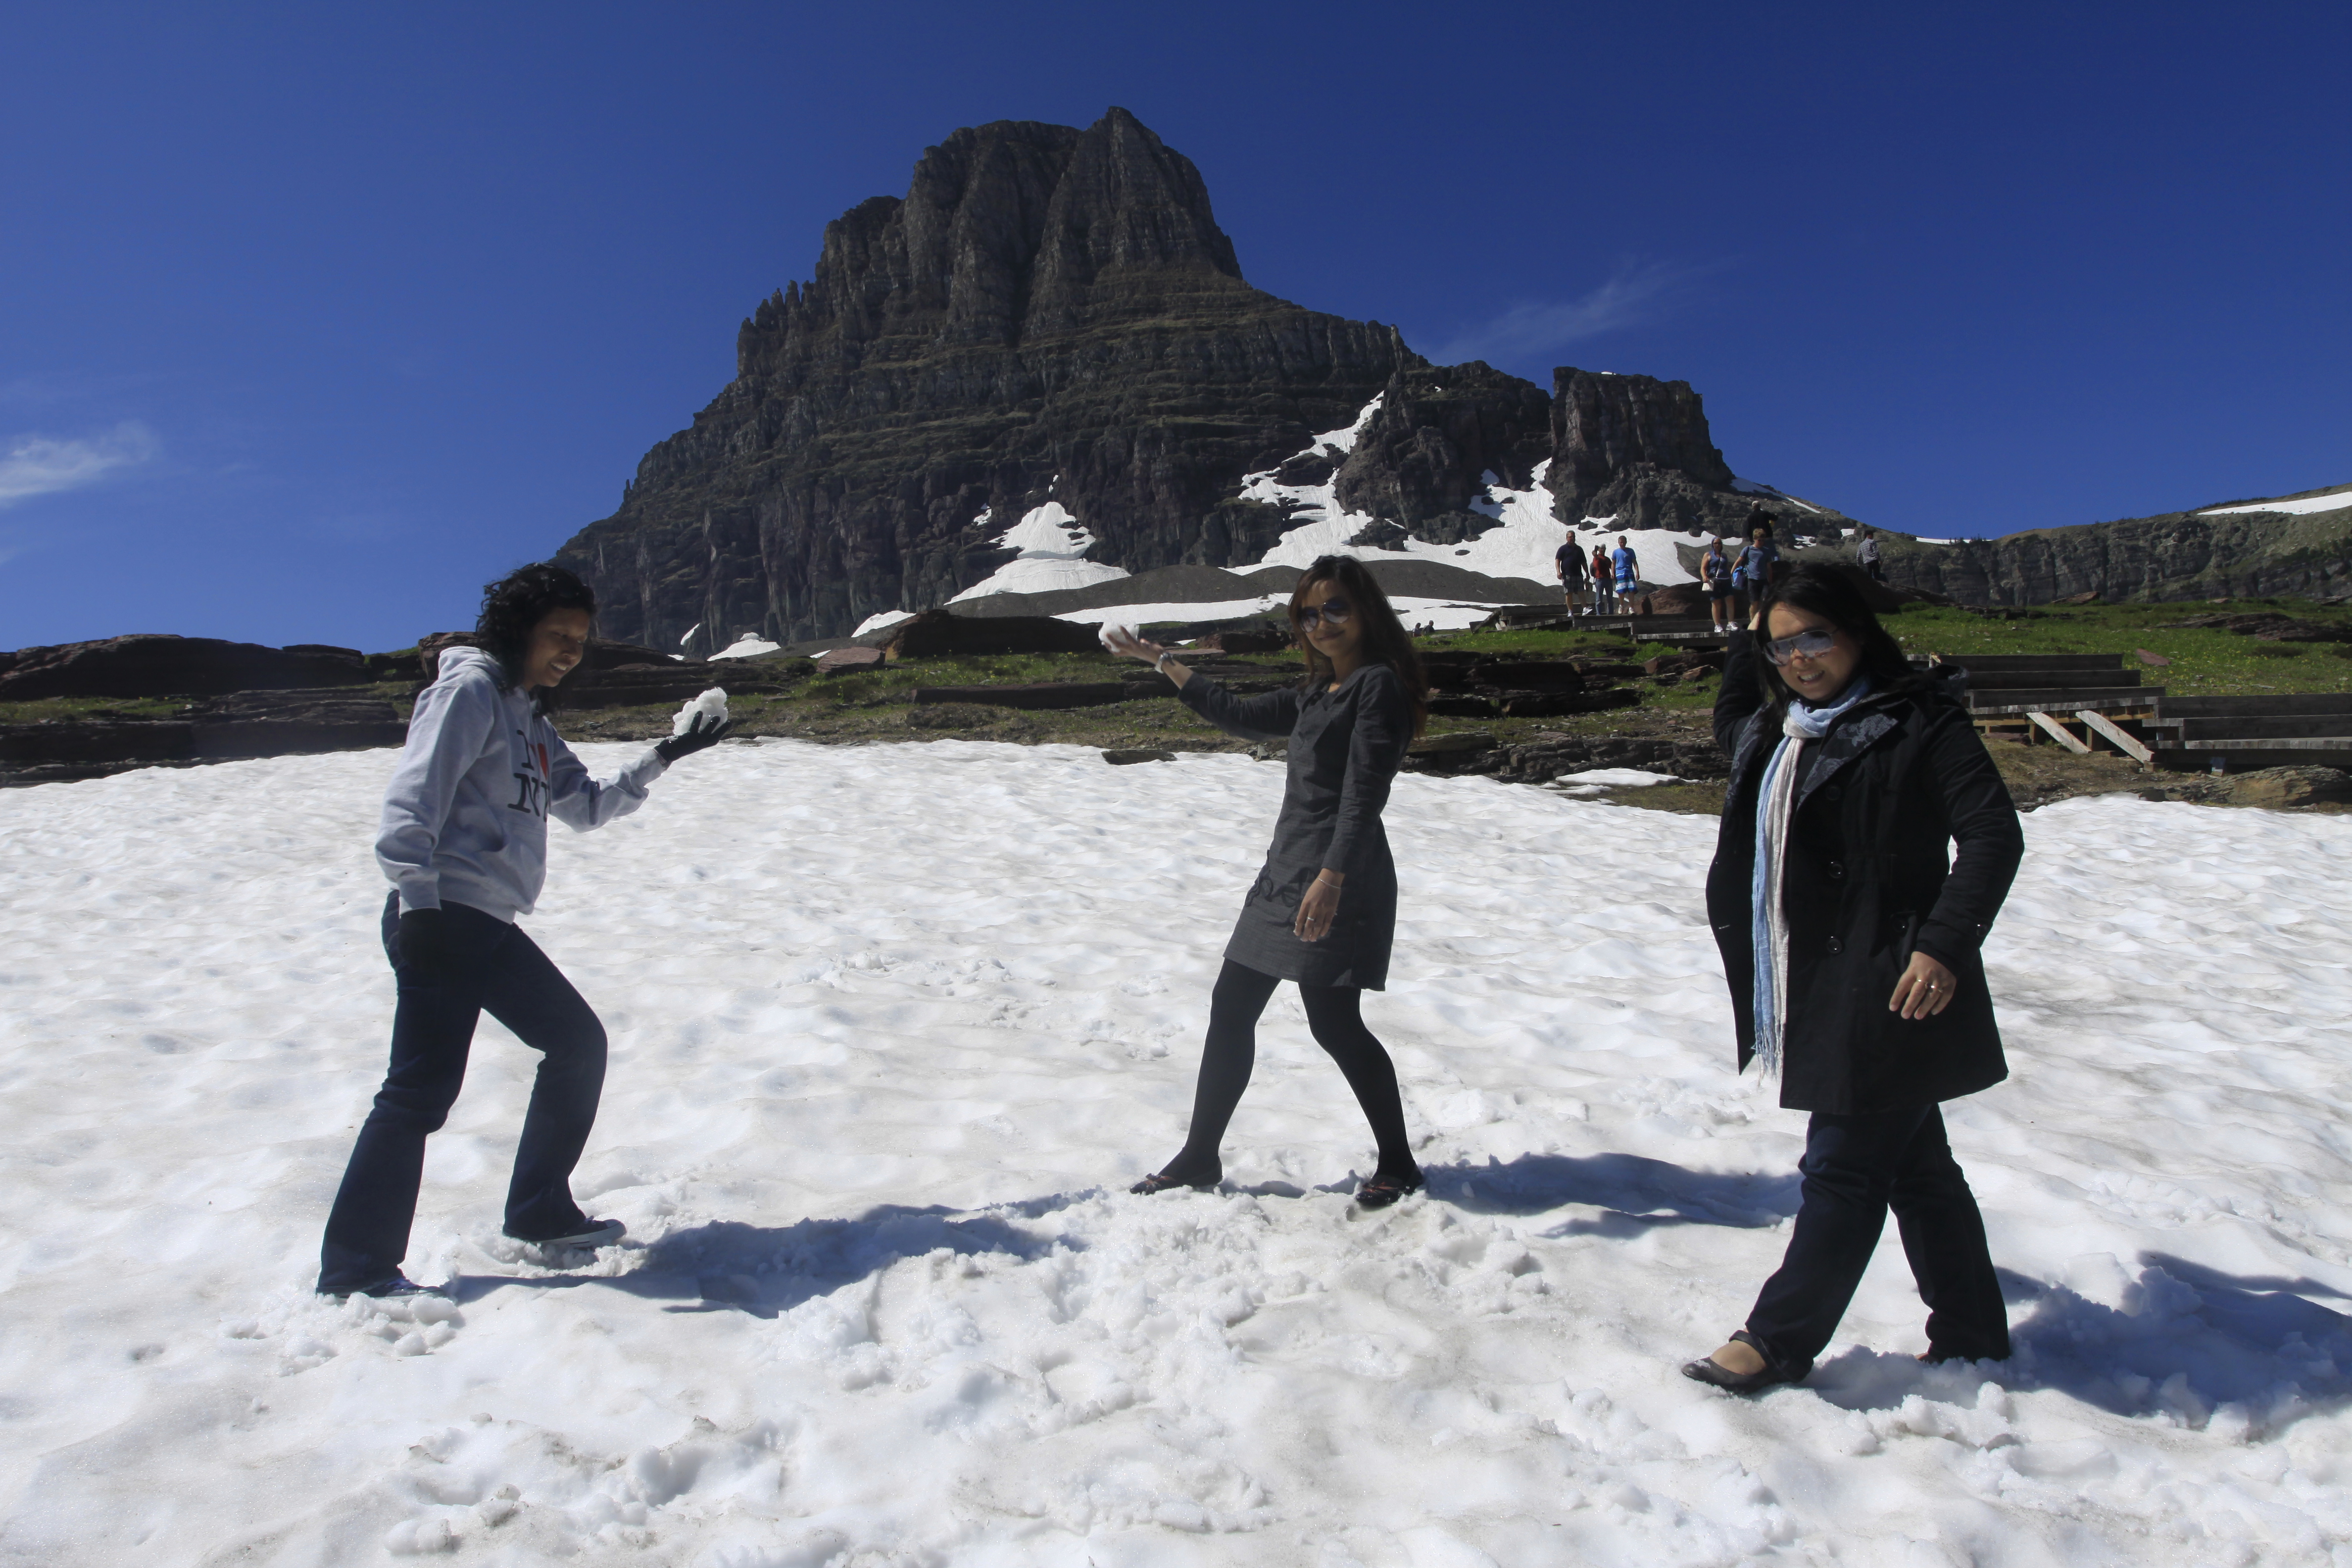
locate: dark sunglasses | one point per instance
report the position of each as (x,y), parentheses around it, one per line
(1333,610)
(1812,644)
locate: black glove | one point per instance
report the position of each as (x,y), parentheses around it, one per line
(704,732)
(425,942)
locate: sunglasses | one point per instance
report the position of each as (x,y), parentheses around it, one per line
(1812,644)
(1333,611)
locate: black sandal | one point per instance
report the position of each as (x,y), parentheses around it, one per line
(1708,1370)
(1162,1183)
(1384,1192)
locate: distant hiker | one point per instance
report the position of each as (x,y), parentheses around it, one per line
(1627,568)
(1714,571)
(1604,597)
(1570,559)
(1759,564)
(1867,552)
(462,840)
(1850,777)
(1323,911)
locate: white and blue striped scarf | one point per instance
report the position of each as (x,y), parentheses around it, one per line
(1769,924)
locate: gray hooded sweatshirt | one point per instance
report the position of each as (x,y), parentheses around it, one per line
(465,818)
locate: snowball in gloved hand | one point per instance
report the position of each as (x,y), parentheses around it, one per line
(712,703)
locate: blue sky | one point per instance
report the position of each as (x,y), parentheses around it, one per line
(314,318)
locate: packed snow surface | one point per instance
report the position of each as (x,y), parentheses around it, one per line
(2334,501)
(893,1028)
(1052,546)
(874,622)
(1600,781)
(746,647)
(1445,614)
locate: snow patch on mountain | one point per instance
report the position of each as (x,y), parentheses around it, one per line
(2302,506)
(1052,546)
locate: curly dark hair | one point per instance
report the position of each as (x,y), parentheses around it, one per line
(512,608)
(1385,640)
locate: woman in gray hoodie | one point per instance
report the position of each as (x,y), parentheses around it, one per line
(463,839)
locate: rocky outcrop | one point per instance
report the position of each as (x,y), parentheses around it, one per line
(159,665)
(1635,452)
(936,634)
(2175,556)
(1422,461)
(1047,314)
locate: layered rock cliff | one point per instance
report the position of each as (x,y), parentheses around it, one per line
(2175,556)
(1637,451)
(1054,314)
(1048,313)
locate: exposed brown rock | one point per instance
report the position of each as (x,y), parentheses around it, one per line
(160,665)
(841,660)
(935,634)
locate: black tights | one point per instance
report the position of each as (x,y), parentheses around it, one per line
(1333,1014)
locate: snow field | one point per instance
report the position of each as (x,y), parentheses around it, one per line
(892,1027)
(2302,506)
(1052,546)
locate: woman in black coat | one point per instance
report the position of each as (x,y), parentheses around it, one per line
(1323,910)
(1851,946)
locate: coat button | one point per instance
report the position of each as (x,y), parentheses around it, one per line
(1836,946)
(1837,870)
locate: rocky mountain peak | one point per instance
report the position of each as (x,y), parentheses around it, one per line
(1005,233)
(1608,429)
(1047,313)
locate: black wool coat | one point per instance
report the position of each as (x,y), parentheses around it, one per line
(1345,749)
(1868,877)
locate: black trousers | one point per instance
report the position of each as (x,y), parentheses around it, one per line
(1855,1169)
(495,969)
(1334,1014)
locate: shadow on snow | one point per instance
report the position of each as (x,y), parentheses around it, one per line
(764,1270)
(2186,1344)
(1634,1194)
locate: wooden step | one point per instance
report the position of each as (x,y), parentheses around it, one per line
(2291,727)
(2258,706)
(2072,699)
(1974,662)
(2039,678)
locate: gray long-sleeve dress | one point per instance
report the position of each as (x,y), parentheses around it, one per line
(1345,749)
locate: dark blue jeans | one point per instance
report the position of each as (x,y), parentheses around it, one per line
(494,969)
(1857,1168)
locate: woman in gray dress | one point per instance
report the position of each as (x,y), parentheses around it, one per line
(1323,911)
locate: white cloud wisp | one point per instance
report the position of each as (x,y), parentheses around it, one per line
(42,465)
(1633,295)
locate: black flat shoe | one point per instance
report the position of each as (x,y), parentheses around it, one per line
(399,1287)
(589,1233)
(1384,1192)
(1165,1184)
(1708,1370)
